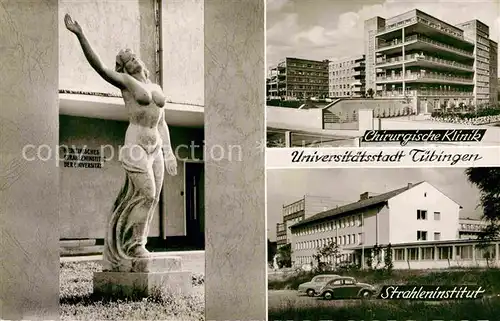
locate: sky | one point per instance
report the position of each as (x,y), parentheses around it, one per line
(345,185)
(333,29)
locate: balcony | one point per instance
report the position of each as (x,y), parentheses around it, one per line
(415,39)
(398,25)
(426,77)
(428,22)
(427,93)
(416,59)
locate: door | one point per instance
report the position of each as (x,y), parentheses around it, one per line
(195,213)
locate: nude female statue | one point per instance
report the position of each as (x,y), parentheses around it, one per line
(146,137)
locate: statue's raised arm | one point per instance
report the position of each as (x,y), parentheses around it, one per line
(113,77)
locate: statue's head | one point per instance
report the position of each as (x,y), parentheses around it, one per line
(128,62)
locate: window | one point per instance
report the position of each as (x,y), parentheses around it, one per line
(488,252)
(445,252)
(399,254)
(421,214)
(437,216)
(464,252)
(348,281)
(360,238)
(412,254)
(428,253)
(421,235)
(437,236)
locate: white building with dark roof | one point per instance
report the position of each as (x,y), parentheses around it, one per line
(414,213)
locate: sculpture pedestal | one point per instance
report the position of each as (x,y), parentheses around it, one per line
(142,277)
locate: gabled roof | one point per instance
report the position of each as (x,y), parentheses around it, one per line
(372,201)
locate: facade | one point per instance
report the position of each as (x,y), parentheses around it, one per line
(92,115)
(295,78)
(346,77)
(299,210)
(412,214)
(486,64)
(470,228)
(422,58)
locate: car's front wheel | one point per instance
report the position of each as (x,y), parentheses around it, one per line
(328,295)
(365,294)
(310,292)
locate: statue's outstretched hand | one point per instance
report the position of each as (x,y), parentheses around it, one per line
(71,25)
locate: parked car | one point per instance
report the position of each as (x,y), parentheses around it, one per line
(313,287)
(346,288)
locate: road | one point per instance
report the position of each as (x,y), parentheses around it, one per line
(290,298)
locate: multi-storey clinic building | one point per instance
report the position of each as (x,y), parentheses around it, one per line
(414,213)
(346,77)
(295,78)
(299,210)
(439,65)
(486,61)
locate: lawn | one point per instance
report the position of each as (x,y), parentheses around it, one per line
(487,278)
(77,301)
(485,309)
(482,309)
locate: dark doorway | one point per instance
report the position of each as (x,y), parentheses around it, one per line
(195,205)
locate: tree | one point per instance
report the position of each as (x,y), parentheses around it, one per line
(487,180)
(388,265)
(271,251)
(330,250)
(370,92)
(376,255)
(285,255)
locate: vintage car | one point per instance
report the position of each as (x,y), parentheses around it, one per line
(313,287)
(346,288)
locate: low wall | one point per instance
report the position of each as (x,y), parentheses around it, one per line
(346,108)
(442,264)
(302,118)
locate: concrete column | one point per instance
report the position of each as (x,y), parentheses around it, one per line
(288,138)
(235,271)
(29,183)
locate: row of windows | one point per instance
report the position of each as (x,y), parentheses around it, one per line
(422,236)
(340,86)
(331,225)
(307,65)
(281,237)
(306,80)
(350,239)
(422,215)
(462,252)
(305,73)
(471,227)
(483,47)
(343,64)
(346,257)
(316,88)
(342,72)
(342,93)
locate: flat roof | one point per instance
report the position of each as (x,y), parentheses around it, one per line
(111,106)
(426,243)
